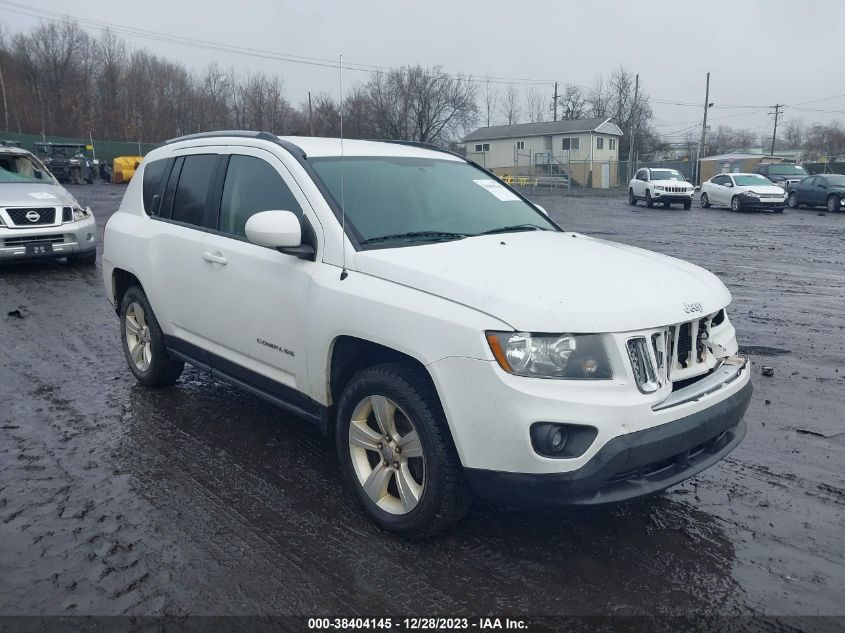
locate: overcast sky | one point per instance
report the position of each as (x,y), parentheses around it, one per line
(759,52)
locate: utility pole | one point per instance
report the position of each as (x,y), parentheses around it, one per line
(633,127)
(777,113)
(702,151)
(311,115)
(554,108)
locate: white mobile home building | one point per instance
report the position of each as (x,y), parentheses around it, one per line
(575,146)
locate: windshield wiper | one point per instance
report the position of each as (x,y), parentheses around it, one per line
(513,229)
(415,235)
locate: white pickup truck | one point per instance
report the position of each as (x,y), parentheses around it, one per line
(448,336)
(660,185)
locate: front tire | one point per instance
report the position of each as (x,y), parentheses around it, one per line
(792,200)
(833,204)
(143,342)
(632,199)
(736,204)
(688,205)
(648,201)
(705,201)
(394,451)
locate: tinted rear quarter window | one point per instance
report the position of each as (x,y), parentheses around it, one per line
(154,172)
(189,202)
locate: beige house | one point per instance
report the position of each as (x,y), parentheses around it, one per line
(586,149)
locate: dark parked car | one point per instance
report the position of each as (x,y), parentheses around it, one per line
(67,161)
(782,174)
(816,191)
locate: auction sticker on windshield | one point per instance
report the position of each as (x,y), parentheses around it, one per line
(497,189)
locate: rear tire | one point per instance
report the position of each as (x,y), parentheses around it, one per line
(833,204)
(632,199)
(422,494)
(143,342)
(705,201)
(648,201)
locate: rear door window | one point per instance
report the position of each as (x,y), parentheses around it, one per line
(191,197)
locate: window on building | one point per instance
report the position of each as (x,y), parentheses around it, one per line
(599,142)
(520,145)
(612,143)
(482,147)
(252,185)
(570,143)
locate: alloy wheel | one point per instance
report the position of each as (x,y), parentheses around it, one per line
(387,455)
(138,338)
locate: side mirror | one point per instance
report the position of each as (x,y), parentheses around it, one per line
(542,210)
(280,230)
(729,184)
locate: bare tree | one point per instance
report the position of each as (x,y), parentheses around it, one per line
(793,133)
(598,99)
(536,105)
(510,105)
(490,98)
(573,102)
(422,104)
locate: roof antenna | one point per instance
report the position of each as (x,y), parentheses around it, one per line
(343,272)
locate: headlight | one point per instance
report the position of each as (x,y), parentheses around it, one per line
(81,214)
(752,194)
(570,356)
(73,161)
(658,187)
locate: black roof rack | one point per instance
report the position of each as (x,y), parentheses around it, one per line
(293,148)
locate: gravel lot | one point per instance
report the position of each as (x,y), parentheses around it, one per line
(203,500)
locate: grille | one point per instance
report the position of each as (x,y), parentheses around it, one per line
(676,189)
(771,195)
(45,216)
(40,239)
(677,353)
(67,214)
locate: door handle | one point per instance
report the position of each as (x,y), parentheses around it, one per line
(217,258)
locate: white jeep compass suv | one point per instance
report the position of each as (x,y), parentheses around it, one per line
(446,334)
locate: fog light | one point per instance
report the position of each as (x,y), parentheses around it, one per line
(589,367)
(551,439)
(89,237)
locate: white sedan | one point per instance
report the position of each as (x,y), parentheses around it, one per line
(742,192)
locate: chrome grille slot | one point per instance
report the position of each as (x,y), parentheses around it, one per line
(34,239)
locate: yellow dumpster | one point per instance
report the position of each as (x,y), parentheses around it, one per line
(123,168)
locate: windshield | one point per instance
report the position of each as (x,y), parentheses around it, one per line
(836,181)
(750,180)
(666,174)
(19,168)
(787,170)
(440,199)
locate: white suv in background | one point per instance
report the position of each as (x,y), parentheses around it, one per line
(452,339)
(662,185)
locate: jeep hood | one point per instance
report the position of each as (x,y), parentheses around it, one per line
(25,194)
(544,281)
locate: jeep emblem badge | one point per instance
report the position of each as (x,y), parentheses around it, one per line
(33,216)
(689,308)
